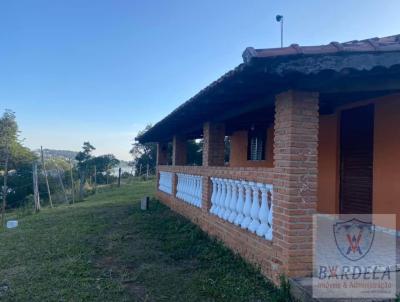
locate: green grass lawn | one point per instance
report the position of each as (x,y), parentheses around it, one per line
(107,249)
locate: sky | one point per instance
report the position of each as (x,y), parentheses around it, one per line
(100,71)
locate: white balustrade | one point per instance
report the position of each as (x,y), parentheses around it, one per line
(189,188)
(247,206)
(165,182)
(234,199)
(265,228)
(240,204)
(215,191)
(243,203)
(228,198)
(221,199)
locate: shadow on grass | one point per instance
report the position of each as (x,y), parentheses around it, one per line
(182,263)
(107,249)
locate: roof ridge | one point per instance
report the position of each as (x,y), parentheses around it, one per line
(376,44)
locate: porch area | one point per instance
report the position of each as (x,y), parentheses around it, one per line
(280,143)
(251,202)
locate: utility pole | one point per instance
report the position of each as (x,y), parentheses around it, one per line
(119,177)
(45,176)
(36,188)
(279,18)
(72,182)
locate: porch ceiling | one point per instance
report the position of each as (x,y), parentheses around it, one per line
(339,72)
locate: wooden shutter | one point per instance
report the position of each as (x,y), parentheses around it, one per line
(357,129)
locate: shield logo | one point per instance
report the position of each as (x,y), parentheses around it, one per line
(354,238)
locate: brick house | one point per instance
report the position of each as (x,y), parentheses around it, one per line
(312,130)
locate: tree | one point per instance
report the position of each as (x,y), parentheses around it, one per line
(83,157)
(19,180)
(144,154)
(194,152)
(103,164)
(57,163)
(8,140)
(16,164)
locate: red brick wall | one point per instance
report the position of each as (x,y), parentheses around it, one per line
(257,250)
(251,247)
(213,144)
(294,177)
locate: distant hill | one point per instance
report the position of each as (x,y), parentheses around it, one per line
(67,154)
(63,154)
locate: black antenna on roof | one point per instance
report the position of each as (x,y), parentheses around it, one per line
(279,18)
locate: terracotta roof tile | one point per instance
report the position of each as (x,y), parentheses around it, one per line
(384,44)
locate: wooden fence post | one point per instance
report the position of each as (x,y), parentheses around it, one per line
(45,176)
(36,188)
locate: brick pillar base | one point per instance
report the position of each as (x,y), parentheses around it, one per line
(174,184)
(206,194)
(213,155)
(295,179)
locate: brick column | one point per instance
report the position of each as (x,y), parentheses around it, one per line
(179,151)
(213,155)
(206,194)
(174,184)
(213,144)
(162,153)
(295,179)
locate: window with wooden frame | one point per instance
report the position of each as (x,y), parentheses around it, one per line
(257,139)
